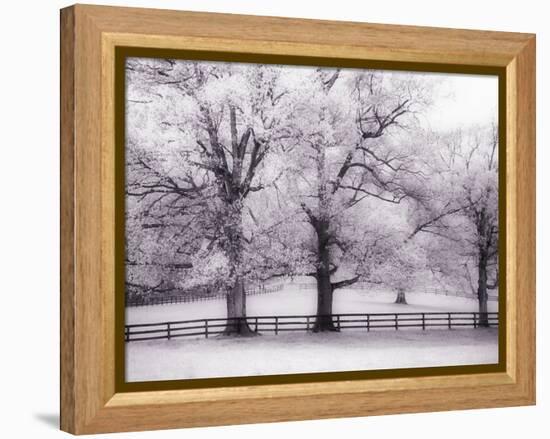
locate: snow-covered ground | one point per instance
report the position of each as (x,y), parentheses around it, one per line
(296,301)
(299,352)
(308,352)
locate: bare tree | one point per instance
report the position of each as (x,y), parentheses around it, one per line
(468,167)
(368,166)
(231,121)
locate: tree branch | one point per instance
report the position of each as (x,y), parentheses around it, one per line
(345,283)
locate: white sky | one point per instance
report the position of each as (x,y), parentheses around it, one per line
(463,100)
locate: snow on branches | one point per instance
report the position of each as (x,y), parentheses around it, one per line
(237,173)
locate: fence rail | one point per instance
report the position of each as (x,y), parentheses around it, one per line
(276,324)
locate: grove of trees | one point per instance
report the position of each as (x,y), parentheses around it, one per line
(239,173)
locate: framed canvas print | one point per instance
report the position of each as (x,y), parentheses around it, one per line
(269,219)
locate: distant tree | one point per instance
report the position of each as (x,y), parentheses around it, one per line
(403,267)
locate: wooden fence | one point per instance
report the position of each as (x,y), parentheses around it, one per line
(276,324)
(490,297)
(437,291)
(181,298)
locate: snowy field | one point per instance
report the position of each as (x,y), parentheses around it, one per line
(308,352)
(299,352)
(296,301)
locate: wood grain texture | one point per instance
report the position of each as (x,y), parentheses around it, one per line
(89,37)
(67,254)
(525,222)
(371,41)
(511,213)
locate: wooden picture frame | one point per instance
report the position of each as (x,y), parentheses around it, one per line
(91,400)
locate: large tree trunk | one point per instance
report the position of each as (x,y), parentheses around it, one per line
(482,289)
(234,183)
(321,224)
(401,299)
(323,321)
(236,294)
(236,311)
(483,255)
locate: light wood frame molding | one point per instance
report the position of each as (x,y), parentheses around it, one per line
(89,402)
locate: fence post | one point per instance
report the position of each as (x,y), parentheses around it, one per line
(475,323)
(449,319)
(168,330)
(423,322)
(276,325)
(368,322)
(256,325)
(206,328)
(338,321)
(396,324)
(307,320)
